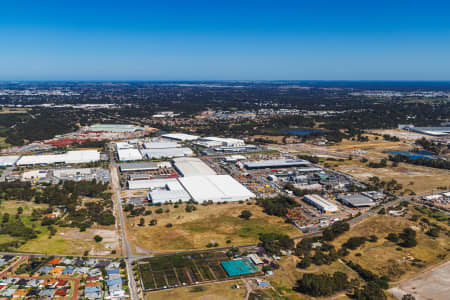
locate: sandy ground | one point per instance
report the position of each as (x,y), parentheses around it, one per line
(433,284)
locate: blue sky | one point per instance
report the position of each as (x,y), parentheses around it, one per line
(230,40)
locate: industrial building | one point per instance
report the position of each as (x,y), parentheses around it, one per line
(161,145)
(374,195)
(355,200)
(129,154)
(276,163)
(244,148)
(191,166)
(172,191)
(180,136)
(433,131)
(150,184)
(212,141)
(137,167)
(113,128)
(157,153)
(70,157)
(124,145)
(7,161)
(320,203)
(217,188)
(234,158)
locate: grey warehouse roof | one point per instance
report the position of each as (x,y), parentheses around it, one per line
(276,163)
(356,200)
(140,166)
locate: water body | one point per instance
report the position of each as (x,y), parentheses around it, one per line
(414,155)
(302,131)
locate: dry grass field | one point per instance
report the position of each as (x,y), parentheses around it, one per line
(215,223)
(66,241)
(424,179)
(285,278)
(214,291)
(386,258)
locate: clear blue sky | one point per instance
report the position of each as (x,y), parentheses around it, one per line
(243,40)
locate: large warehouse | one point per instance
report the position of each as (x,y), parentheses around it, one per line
(7,161)
(276,163)
(219,142)
(320,203)
(217,188)
(139,166)
(150,184)
(129,154)
(161,145)
(180,136)
(191,166)
(70,157)
(113,128)
(355,200)
(155,153)
(172,191)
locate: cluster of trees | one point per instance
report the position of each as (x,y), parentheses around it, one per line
(406,239)
(16,190)
(322,285)
(381,164)
(277,206)
(391,138)
(374,284)
(432,163)
(389,186)
(273,243)
(335,230)
(431,146)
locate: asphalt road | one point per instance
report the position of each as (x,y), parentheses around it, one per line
(129,258)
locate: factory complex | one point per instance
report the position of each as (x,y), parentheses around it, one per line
(197,182)
(217,188)
(69,157)
(320,203)
(356,200)
(276,163)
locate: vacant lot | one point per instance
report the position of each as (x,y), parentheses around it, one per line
(423,179)
(213,291)
(285,278)
(216,223)
(387,258)
(66,241)
(433,284)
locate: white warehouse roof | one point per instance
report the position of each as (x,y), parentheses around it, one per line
(320,203)
(6,161)
(150,184)
(70,157)
(166,152)
(213,141)
(172,191)
(129,154)
(191,166)
(161,145)
(180,136)
(217,188)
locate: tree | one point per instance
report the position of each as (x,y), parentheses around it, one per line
(5,218)
(153,222)
(98,238)
(408,297)
(433,232)
(393,237)
(19,210)
(246,214)
(409,238)
(141,222)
